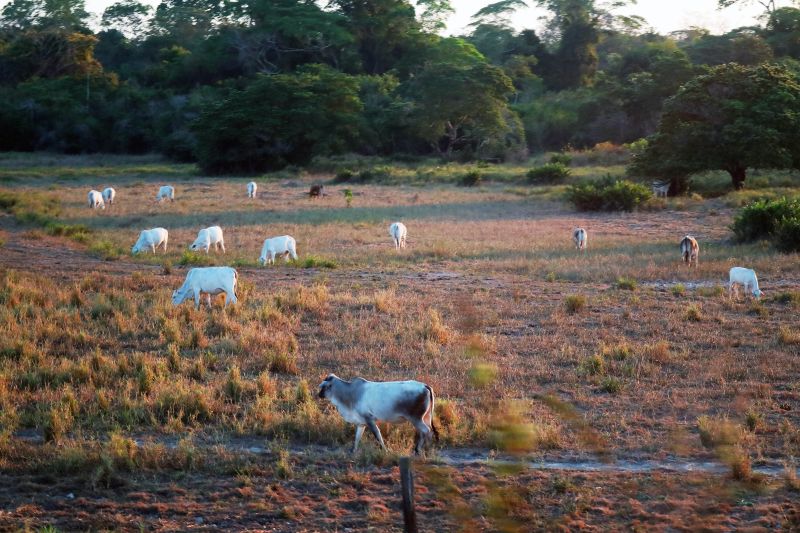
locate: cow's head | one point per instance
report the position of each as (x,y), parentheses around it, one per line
(326,385)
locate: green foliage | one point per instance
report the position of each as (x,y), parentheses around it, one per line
(561,158)
(549,173)
(787,236)
(763,218)
(471,179)
(626,283)
(279,120)
(756,114)
(575,303)
(609,194)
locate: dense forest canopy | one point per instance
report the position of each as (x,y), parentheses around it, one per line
(253,85)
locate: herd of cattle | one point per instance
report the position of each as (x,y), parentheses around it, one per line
(359,401)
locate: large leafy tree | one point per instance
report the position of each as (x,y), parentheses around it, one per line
(62,14)
(280,119)
(783,32)
(732,119)
(458,98)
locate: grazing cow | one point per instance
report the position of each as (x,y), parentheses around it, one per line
(580,238)
(690,251)
(208,281)
(745,277)
(364,403)
(152,239)
(251,189)
(108,195)
(399,232)
(96,200)
(284,245)
(207,237)
(166,191)
(661,189)
(316,191)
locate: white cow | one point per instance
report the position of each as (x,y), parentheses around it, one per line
(251,189)
(364,403)
(96,200)
(108,195)
(207,237)
(151,239)
(580,238)
(398,232)
(745,277)
(272,248)
(208,281)
(166,191)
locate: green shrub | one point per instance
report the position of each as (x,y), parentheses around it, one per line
(611,385)
(574,303)
(763,218)
(561,158)
(549,173)
(609,194)
(471,179)
(787,235)
(626,283)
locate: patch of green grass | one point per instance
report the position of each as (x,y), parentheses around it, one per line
(189,258)
(611,385)
(106,250)
(626,283)
(678,290)
(317,262)
(716,290)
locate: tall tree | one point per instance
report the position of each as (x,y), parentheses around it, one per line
(731,119)
(126,16)
(62,14)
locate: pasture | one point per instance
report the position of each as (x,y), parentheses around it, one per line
(120,411)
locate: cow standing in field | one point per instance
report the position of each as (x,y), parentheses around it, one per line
(364,403)
(166,192)
(251,189)
(151,239)
(96,200)
(108,195)
(209,281)
(284,245)
(580,238)
(316,191)
(690,251)
(206,238)
(398,232)
(745,277)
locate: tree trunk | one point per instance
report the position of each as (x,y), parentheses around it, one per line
(738,175)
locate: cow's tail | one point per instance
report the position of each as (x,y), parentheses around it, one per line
(433,426)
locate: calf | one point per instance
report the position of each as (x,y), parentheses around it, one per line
(364,403)
(399,232)
(745,277)
(580,238)
(690,250)
(284,245)
(208,281)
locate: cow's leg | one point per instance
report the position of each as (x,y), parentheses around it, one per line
(422,435)
(373,427)
(208,299)
(197,298)
(359,432)
(153,247)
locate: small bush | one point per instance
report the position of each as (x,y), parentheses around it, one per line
(694,313)
(762,219)
(609,194)
(716,290)
(561,158)
(592,366)
(611,385)
(716,432)
(626,283)
(549,173)
(283,363)
(787,298)
(574,303)
(787,235)
(679,290)
(471,179)
(318,262)
(787,336)
(189,258)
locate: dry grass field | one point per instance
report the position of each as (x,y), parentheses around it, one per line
(119,411)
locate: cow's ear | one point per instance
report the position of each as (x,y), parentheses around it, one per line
(330,377)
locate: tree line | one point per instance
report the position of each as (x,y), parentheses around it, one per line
(255,85)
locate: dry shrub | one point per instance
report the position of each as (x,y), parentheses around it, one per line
(272,316)
(715,432)
(657,352)
(479,345)
(283,363)
(266,386)
(434,329)
(310,299)
(694,313)
(386,301)
(594,365)
(446,415)
(787,336)
(574,303)
(188,404)
(513,432)
(235,387)
(59,421)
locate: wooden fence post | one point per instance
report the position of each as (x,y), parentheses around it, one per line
(407,486)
